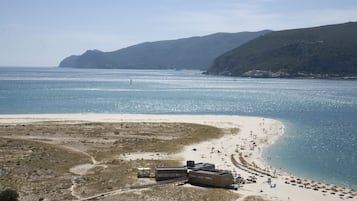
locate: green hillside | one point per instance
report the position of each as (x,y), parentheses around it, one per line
(187,53)
(314,51)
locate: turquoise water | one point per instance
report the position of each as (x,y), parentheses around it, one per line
(320,115)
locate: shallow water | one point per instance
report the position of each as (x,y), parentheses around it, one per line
(320,115)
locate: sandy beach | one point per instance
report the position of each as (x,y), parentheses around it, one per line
(239,150)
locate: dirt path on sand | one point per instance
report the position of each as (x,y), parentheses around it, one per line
(78,170)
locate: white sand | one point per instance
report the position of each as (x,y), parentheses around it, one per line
(254,134)
(82,169)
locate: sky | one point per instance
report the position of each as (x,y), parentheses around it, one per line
(40,33)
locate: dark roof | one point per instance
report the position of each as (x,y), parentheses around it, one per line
(171,168)
(212,172)
(198,165)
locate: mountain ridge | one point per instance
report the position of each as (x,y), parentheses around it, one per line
(329,50)
(197,52)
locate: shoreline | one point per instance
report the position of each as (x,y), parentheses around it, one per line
(255,134)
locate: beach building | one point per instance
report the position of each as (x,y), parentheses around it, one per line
(144,172)
(191,165)
(203,174)
(215,178)
(166,173)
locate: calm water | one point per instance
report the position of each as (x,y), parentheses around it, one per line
(320,115)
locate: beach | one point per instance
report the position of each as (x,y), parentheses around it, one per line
(239,150)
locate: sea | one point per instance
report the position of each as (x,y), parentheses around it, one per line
(320,116)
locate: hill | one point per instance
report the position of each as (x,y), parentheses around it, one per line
(319,51)
(187,53)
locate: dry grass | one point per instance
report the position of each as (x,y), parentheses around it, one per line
(103,140)
(177,193)
(36,158)
(37,169)
(118,174)
(254,198)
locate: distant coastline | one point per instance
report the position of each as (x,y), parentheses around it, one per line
(285,75)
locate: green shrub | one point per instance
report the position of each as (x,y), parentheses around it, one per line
(9,195)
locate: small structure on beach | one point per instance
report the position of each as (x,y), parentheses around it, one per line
(144,172)
(166,173)
(191,165)
(215,178)
(203,174)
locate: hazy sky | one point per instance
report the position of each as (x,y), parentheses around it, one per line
(43,32)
